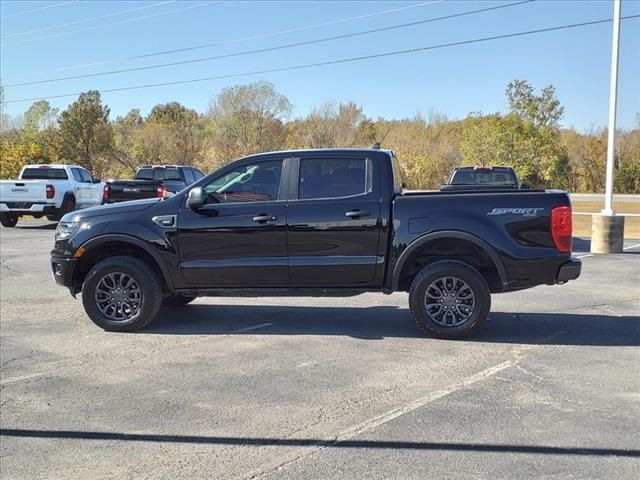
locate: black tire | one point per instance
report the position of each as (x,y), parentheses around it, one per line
(7,220)
(52,218)
(469,305)
(178,300)
(140,312)
(68,205)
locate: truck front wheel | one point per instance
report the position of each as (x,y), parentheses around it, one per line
(121,294)
(449,299)
(8,220)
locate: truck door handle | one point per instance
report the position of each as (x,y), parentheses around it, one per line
(357,213)
(264,218)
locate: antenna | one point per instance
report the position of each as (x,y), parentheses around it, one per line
(377,145)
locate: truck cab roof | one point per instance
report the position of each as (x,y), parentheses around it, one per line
(338,151)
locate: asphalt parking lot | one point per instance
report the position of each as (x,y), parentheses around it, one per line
(320,388)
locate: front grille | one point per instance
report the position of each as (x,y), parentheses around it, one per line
(25,205)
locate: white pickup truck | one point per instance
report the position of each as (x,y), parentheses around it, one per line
(50,190)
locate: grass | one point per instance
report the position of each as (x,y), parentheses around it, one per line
(582,223)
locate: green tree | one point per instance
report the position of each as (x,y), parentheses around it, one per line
(542,110)
(85,135)
(126,133)
(168,136)
(332,125)
(248,119)
(40,116)
(527,138)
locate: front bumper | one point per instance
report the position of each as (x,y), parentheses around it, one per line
(62,269)
(569,271)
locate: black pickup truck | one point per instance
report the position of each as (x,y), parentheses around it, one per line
(151,181)
(315,222)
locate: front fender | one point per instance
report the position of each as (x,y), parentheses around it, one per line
(146,246)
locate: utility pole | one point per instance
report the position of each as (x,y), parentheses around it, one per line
(607,228)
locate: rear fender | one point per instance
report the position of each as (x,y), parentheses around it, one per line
(423,240)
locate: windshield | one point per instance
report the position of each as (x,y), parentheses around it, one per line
(44,173)
(159,173)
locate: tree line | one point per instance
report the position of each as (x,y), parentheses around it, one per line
(253,118)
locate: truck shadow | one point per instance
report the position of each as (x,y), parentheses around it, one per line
(583,245)
(36,226)
(379,322)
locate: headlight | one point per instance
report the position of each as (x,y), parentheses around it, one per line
(65,230)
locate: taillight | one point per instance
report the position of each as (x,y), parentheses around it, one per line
(106,192)
(561,228)
(161,191)
(51,191)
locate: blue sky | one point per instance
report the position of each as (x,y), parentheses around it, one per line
(454,81)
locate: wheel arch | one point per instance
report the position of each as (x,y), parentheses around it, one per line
(109,245)
(67,196)
(423,245)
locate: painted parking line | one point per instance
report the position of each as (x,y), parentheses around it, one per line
(253,327)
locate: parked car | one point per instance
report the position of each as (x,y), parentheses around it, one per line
(51,190)
(151,181)
(315,222)
(488,178)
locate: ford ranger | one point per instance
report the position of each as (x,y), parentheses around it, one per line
(315,222)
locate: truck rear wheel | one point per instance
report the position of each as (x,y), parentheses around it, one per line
(68,205)
(121,294)
(7,220)
(449,299)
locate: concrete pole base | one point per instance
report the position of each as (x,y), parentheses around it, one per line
(607,233)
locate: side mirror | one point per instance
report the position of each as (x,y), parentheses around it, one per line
(195,200)
(96,180)
(525,186)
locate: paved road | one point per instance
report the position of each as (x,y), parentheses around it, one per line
(320,388)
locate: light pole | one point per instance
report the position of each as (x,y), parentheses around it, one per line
(607,229)
(613,101)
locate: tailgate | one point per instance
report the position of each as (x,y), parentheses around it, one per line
(23,191)
(124,190)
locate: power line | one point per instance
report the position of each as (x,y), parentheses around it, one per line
(269,49)
(24,12)
(85,20)
(339,61)
(242,39)
(120,22)
(290,30)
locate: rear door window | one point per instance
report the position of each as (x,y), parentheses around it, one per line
(332,178)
